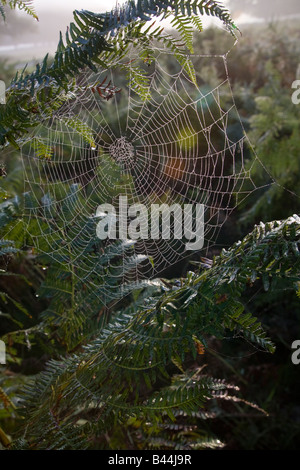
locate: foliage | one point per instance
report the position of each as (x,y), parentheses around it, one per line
(25,5)
(262,89)
(78,291)
(263,10)
(275,132)
(138,355)
(93,40)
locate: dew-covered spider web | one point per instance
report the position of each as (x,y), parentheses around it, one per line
(181,143)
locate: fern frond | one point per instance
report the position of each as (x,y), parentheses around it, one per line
(25,5)
(2,11)
(183,25)
(127,372)
(41,149)
(250,327)
(82,129)
(77,292)
(99,39)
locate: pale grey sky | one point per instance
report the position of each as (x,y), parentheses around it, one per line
(55,16)
(70,5)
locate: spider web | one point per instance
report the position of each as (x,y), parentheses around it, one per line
(185,144)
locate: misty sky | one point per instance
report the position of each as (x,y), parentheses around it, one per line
(70,5)
(33,40)
(36,39)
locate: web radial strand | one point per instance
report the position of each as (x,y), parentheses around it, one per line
(184,145)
